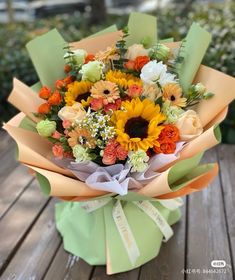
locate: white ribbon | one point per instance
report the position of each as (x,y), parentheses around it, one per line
(157,217)
(125,233)
(171,204)
(93,205)
(122,223)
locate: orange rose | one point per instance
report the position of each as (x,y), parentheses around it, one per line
(67,68)
(44,108)
(68,80)
(169,132)
(130,65)
(140,61)
(55,99)
(44,93)
(89,57)
(59,84)
(166,147)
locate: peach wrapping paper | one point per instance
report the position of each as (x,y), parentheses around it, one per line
(25,99)
(65,186)
(211,112)
(33,149)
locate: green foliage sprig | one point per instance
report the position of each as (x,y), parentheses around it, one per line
(175,64)
(121,50)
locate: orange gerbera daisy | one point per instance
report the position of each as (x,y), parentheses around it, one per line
(173,93)
(81,136)
(109,54)
(106,90)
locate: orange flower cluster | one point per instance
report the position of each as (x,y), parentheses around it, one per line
(53,98)
(89,57)
(137,64)
(167,140)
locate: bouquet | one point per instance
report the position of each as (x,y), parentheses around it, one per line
(116,128)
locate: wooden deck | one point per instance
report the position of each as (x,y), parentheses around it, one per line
(31,248)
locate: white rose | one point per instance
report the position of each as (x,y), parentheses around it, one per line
(189,125)
(72,113)
(136,50)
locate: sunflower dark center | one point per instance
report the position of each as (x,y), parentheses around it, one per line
(172,98)
(106,91)
(83,96)
(137,127)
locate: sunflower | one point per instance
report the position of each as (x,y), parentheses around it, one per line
(138,125)
(106,90)
(122,79)
(81,136)
(173,93)
(78,92)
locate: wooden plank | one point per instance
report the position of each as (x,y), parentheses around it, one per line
(69,267)
(227,164)
(8,161)
(18,220)
(170,261)
(13,186)
(38,249)
(207,235)
(5,141)
(100,274)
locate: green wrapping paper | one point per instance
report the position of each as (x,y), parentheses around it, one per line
(193,51)
(94,236)
(47,52)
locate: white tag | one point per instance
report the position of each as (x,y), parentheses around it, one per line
(171,204)
(125,233)
(93,205)
(157,217)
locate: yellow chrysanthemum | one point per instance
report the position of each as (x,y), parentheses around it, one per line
(173,93)
(138,124)
(122,79)
(78,92)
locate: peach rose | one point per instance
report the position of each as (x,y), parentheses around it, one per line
(121,153)
(72,113)
(66,124)
(136,50)
(96,104)
(189,125)
(56,135)
(134,90)
(58,151)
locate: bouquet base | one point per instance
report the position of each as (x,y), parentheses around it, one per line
(95,237)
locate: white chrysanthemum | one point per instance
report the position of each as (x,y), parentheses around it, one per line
(156,72)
